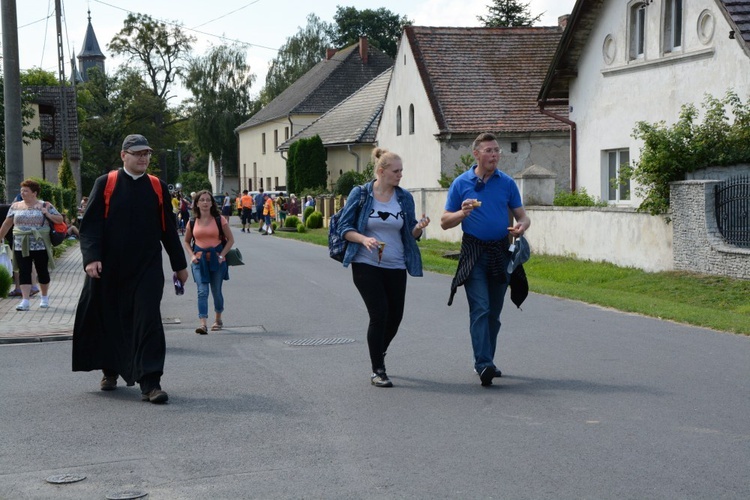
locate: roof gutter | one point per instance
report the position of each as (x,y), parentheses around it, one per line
(573,137)
(349,150)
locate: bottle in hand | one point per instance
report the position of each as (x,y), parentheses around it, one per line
(179,288)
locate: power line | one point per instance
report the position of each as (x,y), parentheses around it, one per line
(233,40)
(227,14)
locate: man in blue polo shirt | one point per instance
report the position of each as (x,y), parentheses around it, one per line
(482,200)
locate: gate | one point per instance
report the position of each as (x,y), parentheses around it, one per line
(733,210)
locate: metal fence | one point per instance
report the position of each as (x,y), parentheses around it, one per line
(733,210)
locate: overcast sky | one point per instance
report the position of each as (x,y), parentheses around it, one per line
(261,25)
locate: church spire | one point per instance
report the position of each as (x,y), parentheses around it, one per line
(91,56)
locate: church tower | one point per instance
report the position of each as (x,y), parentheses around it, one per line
(91,55)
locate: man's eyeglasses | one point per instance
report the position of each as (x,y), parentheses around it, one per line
(479,185)
(489,151)
(139,154)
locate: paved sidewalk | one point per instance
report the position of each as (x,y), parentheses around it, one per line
(55,322)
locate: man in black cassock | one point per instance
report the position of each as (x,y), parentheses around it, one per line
(118,321)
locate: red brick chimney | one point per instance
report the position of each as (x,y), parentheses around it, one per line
(562,21)
(330,53)
(363,45)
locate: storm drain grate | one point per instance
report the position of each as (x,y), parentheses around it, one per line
(314,342)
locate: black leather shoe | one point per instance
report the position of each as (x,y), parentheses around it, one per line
(488,373)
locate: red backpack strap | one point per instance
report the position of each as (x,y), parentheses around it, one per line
(156,184)
(111,181)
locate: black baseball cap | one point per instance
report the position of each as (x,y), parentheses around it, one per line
(135,142)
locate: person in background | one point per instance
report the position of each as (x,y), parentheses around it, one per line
(293,205)
(259,202)
(247,207)
(482,200)
(118,324)
(383,234)
(30,219)
(269,214)
(207,253)
(226,207)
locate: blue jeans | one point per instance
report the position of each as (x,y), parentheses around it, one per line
(485,296)
(216,280)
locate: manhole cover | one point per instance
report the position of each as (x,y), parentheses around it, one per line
(305,342)
(126,495)
(64,479)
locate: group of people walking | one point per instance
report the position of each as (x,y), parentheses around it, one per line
(128,220)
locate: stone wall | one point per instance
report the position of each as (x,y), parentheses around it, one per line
(698,245)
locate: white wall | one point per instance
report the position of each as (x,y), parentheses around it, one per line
(420,152)
(607,100)
(620,236)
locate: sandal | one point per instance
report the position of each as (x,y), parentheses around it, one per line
(217,326)
(201,330)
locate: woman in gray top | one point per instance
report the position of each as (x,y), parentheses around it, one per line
(382,229)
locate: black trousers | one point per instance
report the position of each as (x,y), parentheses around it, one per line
(40,260)
(384,293)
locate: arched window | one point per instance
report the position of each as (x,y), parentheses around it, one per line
(411,119)
(398,120)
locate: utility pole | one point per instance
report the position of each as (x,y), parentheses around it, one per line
(12,96)
(63,95)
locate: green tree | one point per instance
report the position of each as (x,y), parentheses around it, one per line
(295,58)
(38,76)
(220,83)
(467,161)
(194,182)
(381,27)
(310,164)
(507,13)
(65,173)
(160,49)
(291,170)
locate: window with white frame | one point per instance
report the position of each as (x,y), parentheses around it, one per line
(617,188)
(672,25)
(637,35)
(398,120)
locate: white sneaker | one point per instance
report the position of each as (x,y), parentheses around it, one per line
(44,302)
(23,306)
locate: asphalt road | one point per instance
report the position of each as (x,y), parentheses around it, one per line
(593,403)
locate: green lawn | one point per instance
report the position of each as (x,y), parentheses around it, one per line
(701,300)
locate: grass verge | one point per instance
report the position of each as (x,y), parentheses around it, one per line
(701,300)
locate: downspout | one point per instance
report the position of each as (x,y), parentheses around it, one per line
(349,150)
(573,142)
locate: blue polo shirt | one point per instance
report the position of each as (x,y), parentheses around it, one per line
(499,196)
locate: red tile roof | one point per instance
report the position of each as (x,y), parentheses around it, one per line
(485,79)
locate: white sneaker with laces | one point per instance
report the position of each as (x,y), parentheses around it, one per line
(23,306)
(44,304)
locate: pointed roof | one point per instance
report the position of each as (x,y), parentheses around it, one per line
(480,79)
(328,83)
(353,121)
(90,47)
(581,23)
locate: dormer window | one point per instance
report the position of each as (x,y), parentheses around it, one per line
(672,25)
(637,35)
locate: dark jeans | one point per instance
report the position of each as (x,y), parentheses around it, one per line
(384,293)
(41,262)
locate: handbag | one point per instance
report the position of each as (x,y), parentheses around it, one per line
(234,257)
(57,232)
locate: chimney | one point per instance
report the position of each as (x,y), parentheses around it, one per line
(562,21)
(363,49)
(330,53)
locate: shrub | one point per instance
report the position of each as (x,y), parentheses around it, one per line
(301,228)
(578,198)
(314,220)
(274,226)
(467,161)
(6,280)
(670,152)
(307,212)
(291,221)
